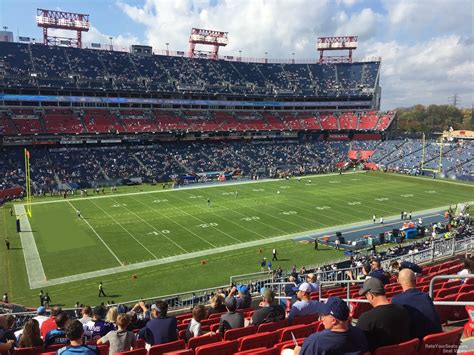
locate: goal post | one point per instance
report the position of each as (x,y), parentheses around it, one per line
(28,208)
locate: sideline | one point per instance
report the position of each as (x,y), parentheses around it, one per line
(34,266)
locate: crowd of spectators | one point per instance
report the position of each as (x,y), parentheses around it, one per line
(37,65)
(54,168)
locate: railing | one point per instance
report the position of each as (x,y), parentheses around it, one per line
(447,277)
(440,249)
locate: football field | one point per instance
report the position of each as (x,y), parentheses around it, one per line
(155,230)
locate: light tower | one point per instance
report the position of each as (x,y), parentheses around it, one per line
(215,39)
(65,21)
(336,44)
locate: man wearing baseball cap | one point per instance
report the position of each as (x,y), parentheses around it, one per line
(339,337)
(304,306)
(386,323)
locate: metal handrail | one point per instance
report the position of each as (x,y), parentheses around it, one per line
(447,277)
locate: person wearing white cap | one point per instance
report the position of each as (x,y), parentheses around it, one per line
(304,306)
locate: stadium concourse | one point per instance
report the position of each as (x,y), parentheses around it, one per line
(97,118)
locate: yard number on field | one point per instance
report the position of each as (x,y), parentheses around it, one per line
(251,218)
(164,231)
(207,225)
(289,213)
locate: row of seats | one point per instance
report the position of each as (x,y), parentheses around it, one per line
(40,66)
(65,121)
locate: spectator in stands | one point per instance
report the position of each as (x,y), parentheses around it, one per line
(339,337)
(97,327)
(8,331)
(311,279)
(30,336)
(58,335)
(50,323)
(231,319)
(121,339)
(378,272)
(397,267)
(244,298)
(86,314)
(269,312)
(194,327)
(112,315)
(74,331)
(161,329)
(41,315)
(304,306)
(289,288)
(385,324)
(216,304)
(5,332)
(468,267)
(420,307)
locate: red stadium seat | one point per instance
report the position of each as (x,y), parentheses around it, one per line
(289,344)
(28,351)
(216,315)
(237,333)
(140,351)
(260,351)
(406,348)
(140,343)
(357,308)
(304,319)
(436,344)
(299,331)
(266,340)
(270,327)
(164,348)
(220,348)
(54,347)
(203,340)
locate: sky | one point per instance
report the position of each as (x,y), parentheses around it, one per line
(426,46)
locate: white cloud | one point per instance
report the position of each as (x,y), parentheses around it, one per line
(121,42)
(426,46)
(427,72)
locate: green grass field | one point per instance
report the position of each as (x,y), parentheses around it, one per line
(133,227)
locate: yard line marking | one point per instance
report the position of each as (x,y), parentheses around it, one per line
(208,252)
(181,226)
(34,266)
(144,221)
(245,206)
(184,188)
(97,234)
(126,230)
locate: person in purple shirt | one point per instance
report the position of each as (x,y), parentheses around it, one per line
(338,337)
(97,328)
(420,307)
(161,329)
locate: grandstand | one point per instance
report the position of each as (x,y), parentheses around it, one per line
(94,119)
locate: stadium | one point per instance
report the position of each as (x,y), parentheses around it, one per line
(239,205)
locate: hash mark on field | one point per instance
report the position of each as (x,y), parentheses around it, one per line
(285,187)
(355,179)
(146,222)
(120,225)
(288,213)
(97,234)
(407,195)
(334,181)
(382,199)
(354,203)
(258,190)
(323,207)
(431,192)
